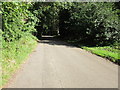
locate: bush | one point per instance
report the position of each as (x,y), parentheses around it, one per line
(18,26)
(91,22)
(17,20)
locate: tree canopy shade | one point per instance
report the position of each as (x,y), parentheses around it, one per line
(94,22)
(83,21)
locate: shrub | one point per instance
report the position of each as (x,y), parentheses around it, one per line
(91,22)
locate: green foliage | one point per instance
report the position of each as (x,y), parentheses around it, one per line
(94,22)
(18,27)
(86,21)
(17,20)
(48,17)
(13,54)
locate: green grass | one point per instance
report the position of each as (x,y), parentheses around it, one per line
(106,51)
(13,55)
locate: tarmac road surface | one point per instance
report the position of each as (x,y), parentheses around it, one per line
(56,64)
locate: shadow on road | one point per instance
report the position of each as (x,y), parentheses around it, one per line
(51,40)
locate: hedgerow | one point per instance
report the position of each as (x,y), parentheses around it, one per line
(18,27)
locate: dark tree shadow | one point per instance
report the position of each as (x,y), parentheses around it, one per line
(51,40)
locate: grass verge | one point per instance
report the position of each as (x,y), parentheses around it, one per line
(111,52)
(13,55)
(106,51)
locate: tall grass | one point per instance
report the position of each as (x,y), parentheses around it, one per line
(14,54)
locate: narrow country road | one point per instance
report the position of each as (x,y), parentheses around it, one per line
(55,64)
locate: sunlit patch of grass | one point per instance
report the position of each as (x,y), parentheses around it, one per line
(14,54)
(107,51)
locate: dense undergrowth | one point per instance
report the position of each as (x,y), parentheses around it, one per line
(92,23)
(14,54)
(18,27)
